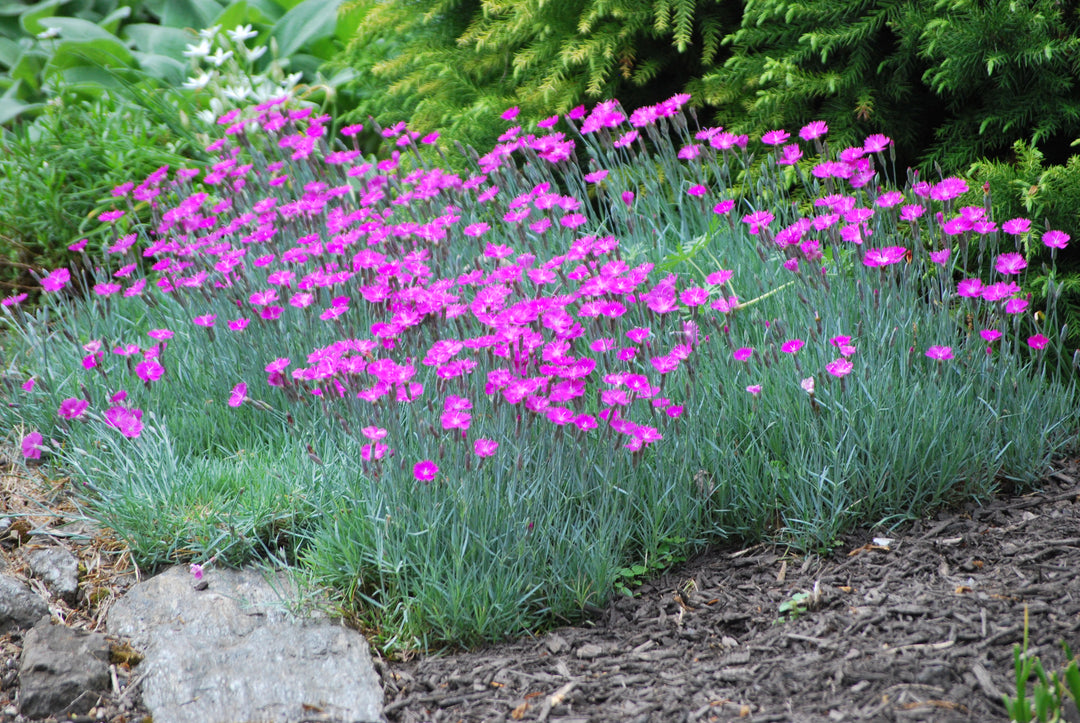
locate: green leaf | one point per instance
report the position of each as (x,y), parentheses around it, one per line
(308,21)
(78,30)
(162,67)
(31,18)
(158,39)
(194,14)
(9,52)
(11,107)
(112,21)
(94,53)
(235,14)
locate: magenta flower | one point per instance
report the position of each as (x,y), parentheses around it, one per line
(510,113)
(56,280)
(485,447)
(111,216)
(775,138)
(884,256)
(72,408)
(742,353)
(724,207)
(128,421)
(1016,226)
(425,471)
(948,189)
(638,334)
(476,229)
(807,385)
(697,190)
(971,288)
(940,353)
(239,324)
(14,299)
(1038,341)
(694,296)
(149,371)
(754,389)
(791,154)
(160,334)
(206,320)
(31,445)
(990,335)
(719,277)
(757,220)
(791,346)
(239,394)
(28,385)
(1009,264)
(196,572)
(876,143)
(1055,239)
(940,257)
(1016,306)
(373,433)
(812,130)
(839,367)
(595,176)
(628,198)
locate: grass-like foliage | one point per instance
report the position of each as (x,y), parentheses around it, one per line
(466,405)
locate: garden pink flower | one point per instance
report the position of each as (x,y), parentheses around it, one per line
(876,143)
(791,346)
(940,257)
(697,190)
(72,408)
(911,212)
(196,571)
(754,389)
(719,277)
(990,335)
(28,385)
(425,471)
(1016,226)
(128,421)
(56,280)
(149,371)
(839,367)
(239,324)
(1016,306)
(31,445)
(807,385)
(14,299)
(111,216)
(1055,239)
(510,113)
(724,207)
(373,433)
(884,256)
(485,447)
(790,155)
(694,296)
(940,353)
(238,395)
(160,334)
(812,130)
(595,176)
(742,353)
(1010,263)
(1038,341)
(757,220)
(971,288)
(206,320)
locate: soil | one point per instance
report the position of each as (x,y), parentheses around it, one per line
(917,627)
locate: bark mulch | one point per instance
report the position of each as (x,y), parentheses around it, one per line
(920,627)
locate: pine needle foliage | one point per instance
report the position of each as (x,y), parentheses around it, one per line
(456,65)
(951,81)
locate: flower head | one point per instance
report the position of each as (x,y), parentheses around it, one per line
(485,447)
(940,353)
(425,471)
(31,445)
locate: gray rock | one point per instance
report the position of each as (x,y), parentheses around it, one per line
(58,569)
(61,671)
(19,607)
(234,652)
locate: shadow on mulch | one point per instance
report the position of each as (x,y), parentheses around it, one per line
(918,628)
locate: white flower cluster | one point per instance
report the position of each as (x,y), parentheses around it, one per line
(223,73)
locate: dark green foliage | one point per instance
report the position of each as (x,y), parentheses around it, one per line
(455,65)
(951,81)
(56,175)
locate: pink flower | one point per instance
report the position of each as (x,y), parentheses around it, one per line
(425,471)
(111,216)
(638,334)
(694,296)
(807,385)
(239,324)
(1055,239)
(1016,226)
(56,280)
(791,154)
(373,433)
(31,445)
(206,320)
(149,371)
(754,389)
(990,335)
(476,229)
(813,130)
(239,393)
(14,299)
(485,447)
(792,346)
(28,385)
(940,257)
(510,113)
(742,353)
(128,421)
(1016,306)
(876,143)
(941,353)
(839,367)
(196,572)
(719,277)
(724,207)
(628,198)
(757,220)
(697,190)
(884,256)
(1009,264)
(1038,341)
(971,288)
(160,334)
(72,408)
(775,138)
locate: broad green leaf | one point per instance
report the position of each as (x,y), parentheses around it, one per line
(12,108)
(112,21)
(308,21)
(95,53)
(28,68)
(78,30)
(194,14)
(158,39)
(31,17)
(162,67)
(9,52)
(235,14)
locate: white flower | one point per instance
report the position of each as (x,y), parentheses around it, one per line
(255,53)
(219,57)
(206,116)
(198,82)
(290,81)
(210,33)
(48,33)
(238,93)
(198,51)
(242,33)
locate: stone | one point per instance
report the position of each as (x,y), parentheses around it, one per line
(61,671)
(20,608)
(58,569)
(235,652)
